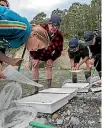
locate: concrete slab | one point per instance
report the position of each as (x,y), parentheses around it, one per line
(75,85)
(71,91)
(44,102)
(82,87)
(59,90)
(83,90)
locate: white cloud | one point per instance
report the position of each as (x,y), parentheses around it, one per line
(30,8)
(39,4)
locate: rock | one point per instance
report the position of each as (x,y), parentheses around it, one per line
(69,106)
(39,115)
(54,116)
(59,121)
(81,110)
(91,122)
(74,121)
(68,112)
(67,118)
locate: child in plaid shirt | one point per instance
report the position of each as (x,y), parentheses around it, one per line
(52,52)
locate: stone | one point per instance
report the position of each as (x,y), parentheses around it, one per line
(81,110)
(54,116)
(68,112)
(59,121)
(91,122)
(74,121)
(67,118)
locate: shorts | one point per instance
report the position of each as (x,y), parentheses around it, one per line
(3,51)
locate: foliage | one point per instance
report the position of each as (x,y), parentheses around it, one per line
(77,19)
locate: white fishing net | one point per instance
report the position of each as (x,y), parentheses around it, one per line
(93,80)
(11,114)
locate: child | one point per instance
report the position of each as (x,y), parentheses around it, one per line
(76,51)
(53,51)
(93,40)
(16,31)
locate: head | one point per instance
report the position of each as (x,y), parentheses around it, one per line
(4,3)
(54,23)
(73,45)
(38,38)
(90,38)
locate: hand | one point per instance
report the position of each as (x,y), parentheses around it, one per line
(77,67)
(16,61)
(91,62)
(99,82)
(49,63)
(35,63)
(73,68)
(2,76)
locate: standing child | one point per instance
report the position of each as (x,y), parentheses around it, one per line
(50,54)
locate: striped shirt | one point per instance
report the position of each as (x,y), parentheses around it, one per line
(14,29)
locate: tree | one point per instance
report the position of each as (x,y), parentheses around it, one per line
(40,18)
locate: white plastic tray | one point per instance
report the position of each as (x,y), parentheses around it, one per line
(59,90)
(75,85)
(45,103)
(71,91)
(82,87)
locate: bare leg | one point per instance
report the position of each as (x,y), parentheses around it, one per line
(49,76)
(74,75)
(35,73)
(87,70)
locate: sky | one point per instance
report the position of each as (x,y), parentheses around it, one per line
(30,8)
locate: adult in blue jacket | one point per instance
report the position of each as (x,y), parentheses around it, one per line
(16,31)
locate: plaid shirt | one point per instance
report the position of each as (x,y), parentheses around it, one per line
(54,49)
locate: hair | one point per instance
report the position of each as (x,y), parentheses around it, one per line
(6,1)
(41,33)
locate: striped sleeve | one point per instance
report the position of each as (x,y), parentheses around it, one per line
(7,25)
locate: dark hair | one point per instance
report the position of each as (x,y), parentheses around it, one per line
(6,1)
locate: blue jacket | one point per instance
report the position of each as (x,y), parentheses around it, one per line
(14,29)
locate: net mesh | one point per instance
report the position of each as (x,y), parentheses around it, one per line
(14,115)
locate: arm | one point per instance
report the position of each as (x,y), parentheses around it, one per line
(13,62)
(5,59)
(13,27)
(83,61)
(72,63)
(57,52)
(58,44)
(86,54)
(12,33)
(71,58)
